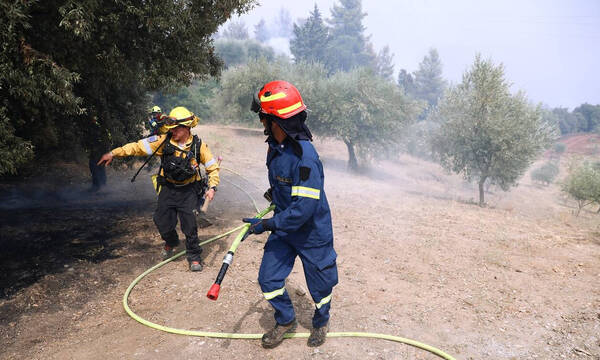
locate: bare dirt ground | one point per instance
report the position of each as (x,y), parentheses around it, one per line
(518,279)
(583,144)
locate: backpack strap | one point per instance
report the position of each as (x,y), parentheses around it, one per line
(196,144)
(167,138)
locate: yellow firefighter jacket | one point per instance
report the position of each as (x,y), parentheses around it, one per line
(148,145)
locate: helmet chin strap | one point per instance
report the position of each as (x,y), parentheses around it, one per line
(268,131)
(268,124)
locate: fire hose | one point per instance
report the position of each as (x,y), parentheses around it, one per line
(214,291)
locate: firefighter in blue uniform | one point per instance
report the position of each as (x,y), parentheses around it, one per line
(301,225)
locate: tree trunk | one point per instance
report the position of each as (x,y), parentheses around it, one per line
(352,162)
(481,194)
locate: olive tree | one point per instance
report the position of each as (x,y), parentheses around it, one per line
(358,107)
(366,112)
(583,185)
(488,133)
(546,173)
(239,84)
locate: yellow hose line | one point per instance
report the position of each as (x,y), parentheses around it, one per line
(150,324)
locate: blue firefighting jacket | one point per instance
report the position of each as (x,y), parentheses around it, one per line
(302,216)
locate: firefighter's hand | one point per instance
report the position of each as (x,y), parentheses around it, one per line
(106,159)
(209,194)
(256,225)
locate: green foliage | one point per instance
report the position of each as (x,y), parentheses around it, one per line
(73,71)
(239,84)
(583,185)
(489,133)
(406,82)
(416,140)
(238,52)
(196,97)
(590,117)
(584,118)
(34,90)
(428,82)
(348,45)
(367,114)
(311,39)
(546,173)
(16,151)
(384,64)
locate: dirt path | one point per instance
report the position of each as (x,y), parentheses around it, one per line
(517,280)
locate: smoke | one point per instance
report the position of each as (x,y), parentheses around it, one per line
(281,45)
(118,192)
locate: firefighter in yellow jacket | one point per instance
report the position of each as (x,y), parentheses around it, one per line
(179,181)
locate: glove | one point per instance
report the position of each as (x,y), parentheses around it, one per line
(258,226)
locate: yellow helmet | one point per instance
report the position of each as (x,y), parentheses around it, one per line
(181,116)
(155,109)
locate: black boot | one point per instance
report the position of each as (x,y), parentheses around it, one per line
(317,336)
(195,266)
(275,336)
(167,252)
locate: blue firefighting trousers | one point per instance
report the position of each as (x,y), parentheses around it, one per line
(320,271)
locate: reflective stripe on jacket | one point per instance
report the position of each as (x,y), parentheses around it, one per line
(146,146)
(302,212)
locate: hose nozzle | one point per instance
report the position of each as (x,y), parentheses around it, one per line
(213,293)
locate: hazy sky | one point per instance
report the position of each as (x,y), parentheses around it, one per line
(550,48)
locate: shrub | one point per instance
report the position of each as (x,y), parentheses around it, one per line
(545,174)
(583,185)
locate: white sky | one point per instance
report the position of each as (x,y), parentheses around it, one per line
(550,48)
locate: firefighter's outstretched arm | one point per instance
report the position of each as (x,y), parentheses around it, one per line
(143,147)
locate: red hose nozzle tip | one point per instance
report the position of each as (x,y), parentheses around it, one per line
(213,293)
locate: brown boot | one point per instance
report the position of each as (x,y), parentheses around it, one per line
(317,336)
(275,336)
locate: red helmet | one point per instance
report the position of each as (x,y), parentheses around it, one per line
(279,98)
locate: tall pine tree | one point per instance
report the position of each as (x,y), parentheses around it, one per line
(385,64)
(310,39)
(429,84)
(406,82)
(348,44)
(261,33)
